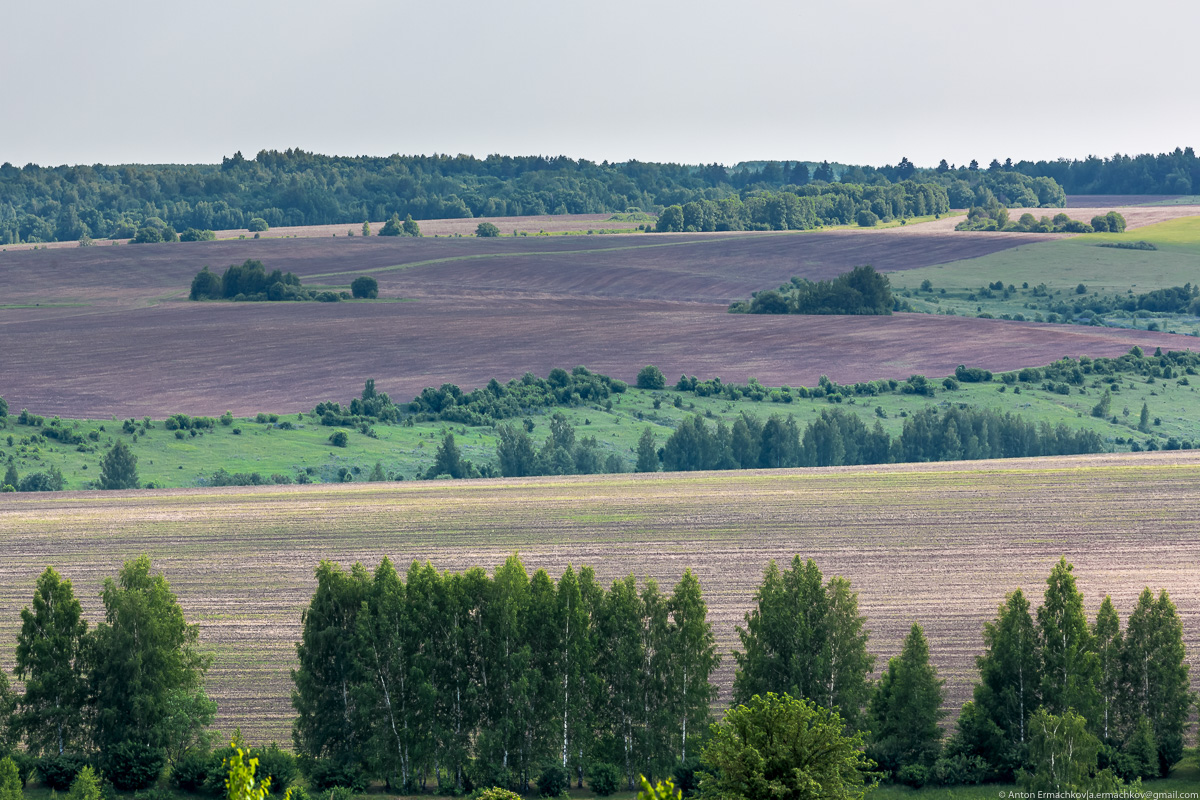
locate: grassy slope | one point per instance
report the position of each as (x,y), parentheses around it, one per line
(406,451)
(1061,265)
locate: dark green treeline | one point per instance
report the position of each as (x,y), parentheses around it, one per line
(460,678)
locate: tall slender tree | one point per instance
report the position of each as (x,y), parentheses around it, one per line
(906,708)
(693,657)
(51,660)
(1070,670)
(1009,688)
(328,721)
(1108,643)
(847,689)
(1155,674)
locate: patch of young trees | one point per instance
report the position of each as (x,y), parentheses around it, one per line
(517,398)
(450,680)
(838,438)
(859,291)
(250,281)
(994,217)
(394,227)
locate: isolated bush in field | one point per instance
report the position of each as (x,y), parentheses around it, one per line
(650,377)
(365,287)
(392,227)
(411,228)
(486,229)
(118,470)
(339,439)
(257,225)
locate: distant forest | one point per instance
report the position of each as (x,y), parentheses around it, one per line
(293,187)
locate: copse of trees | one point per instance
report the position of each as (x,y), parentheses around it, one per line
(394,227)
(859,291)
(446,680)
(1177,172)
(129,691)
(517,398)
(250,281)
(806,207)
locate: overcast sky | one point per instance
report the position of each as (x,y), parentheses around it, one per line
(861,81)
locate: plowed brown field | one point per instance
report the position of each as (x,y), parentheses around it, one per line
(107,331)
(937,543)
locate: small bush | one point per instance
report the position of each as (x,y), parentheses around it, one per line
(495,793)
(487,229)
(191,771)
(279,765)
(651,377)
(324,774)
(86,785)
(131,767)
(59,772)
(553,781)
(257,225)
(604,779)
(339,439)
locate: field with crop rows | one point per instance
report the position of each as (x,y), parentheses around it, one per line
(936,543)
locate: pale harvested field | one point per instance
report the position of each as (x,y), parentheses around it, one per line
(937,543)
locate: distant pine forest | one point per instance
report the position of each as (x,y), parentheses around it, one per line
(293,187)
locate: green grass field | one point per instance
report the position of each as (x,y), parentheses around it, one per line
(1060,266)
(247,446)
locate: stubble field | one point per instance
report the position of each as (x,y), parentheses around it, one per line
(940,544)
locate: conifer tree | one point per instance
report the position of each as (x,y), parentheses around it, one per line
(1070,670)
(1009,688)
(118,470)
(647,456)
(1155,674)
(906,707)
(51,661)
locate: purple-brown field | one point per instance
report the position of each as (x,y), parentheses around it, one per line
(108,331)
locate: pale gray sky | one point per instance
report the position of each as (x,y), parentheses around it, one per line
(859,82)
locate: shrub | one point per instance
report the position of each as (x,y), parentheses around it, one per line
(257,225)
(553,781)
(130,766)
(365,287)
(191,770)
(85,786)
(495,793)
(279,765)
(686,778)
(604,779)
(914,775)
(867,218)
(339,439)
(487,229)
(197,235)
(325,774)
(59,772)
(651,377)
